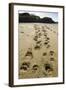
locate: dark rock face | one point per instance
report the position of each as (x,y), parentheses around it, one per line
(47,20)
(26,17)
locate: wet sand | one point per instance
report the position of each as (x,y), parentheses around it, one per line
(38,50)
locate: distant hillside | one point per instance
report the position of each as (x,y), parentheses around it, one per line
(26,17)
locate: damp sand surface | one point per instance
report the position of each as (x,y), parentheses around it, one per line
(38,50)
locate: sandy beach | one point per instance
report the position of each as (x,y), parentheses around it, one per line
(38,50)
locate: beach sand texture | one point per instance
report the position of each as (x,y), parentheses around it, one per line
(38,50)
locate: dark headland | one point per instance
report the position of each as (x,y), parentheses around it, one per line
(29,18)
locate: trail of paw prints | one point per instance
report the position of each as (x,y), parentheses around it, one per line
(46,38)
(37,37)
(48,64)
